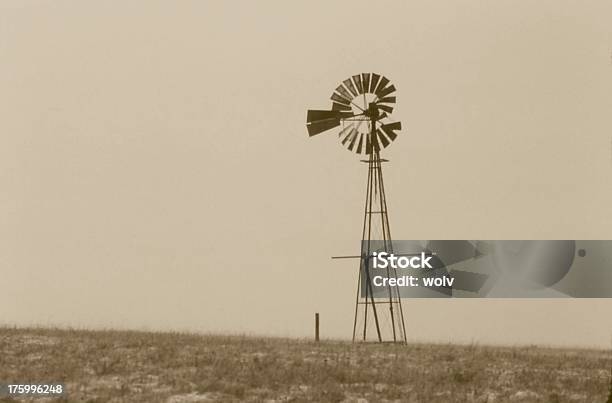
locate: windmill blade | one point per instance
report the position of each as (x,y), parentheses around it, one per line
(387,100)
(385,108)
(393,126)
(381,84)
(386,91)
(384,140)
(349,84)
(374,82)
(389,129)
(346,129)
(360,143)
(337,98)
(339,107)
(342,91)
(365,79)
(358,85)
(349,135)
(353,138)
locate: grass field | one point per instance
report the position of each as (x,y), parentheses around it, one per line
(172,367)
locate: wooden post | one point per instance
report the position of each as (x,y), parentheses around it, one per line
(317,326)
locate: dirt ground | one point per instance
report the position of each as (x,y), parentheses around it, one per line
(102,366)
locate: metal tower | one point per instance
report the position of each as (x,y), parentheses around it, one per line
(385,314)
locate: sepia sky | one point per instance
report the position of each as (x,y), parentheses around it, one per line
(156,173)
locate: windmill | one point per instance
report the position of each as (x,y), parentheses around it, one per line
(360,111)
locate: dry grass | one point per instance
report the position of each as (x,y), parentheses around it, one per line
(149,367)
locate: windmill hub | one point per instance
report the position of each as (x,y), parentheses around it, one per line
(372,111)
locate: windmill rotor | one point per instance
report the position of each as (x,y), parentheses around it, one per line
(362,98)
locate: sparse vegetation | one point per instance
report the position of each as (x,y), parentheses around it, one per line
(101,366)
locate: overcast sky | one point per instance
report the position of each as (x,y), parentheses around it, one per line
(155,170)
